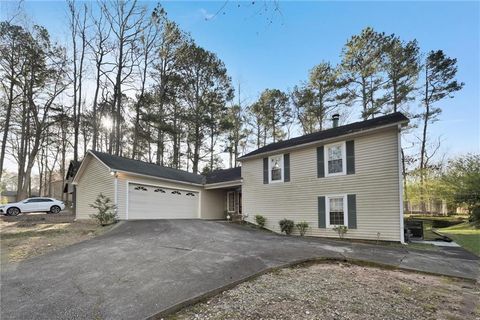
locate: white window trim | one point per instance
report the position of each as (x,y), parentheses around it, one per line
(270,168)
(344,158)
(327,210)
(228,201)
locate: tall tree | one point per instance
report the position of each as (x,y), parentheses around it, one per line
(402,67)
(99,47)
(46,80)
(147,45)
(322,94)
(258,122)
(362,62)
(439,83)
(126,21)
(13,43)
(235,132)
(169,45)
(206,84)
(78,29)
(277,112)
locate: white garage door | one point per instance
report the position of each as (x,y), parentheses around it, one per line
(149,202)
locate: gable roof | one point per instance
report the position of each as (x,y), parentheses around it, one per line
(146,168)
(224,175)
(355,127)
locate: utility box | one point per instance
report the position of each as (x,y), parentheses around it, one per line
(414,229)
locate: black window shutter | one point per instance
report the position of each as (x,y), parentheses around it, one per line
(286,167)
(265,170)
(321,212)
(350,157)
(352,211)
(320,163)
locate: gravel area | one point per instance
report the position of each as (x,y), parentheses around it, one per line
(342,291)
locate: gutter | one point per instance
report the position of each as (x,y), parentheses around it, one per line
(223,184)
(159,178)
(321,141)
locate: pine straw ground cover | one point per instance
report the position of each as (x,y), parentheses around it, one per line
(342,291)
(22,240)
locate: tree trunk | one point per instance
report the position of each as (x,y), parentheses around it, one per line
(395,96)
(424,143)
(196,148)
(364,99)
(95,107)
(211,149)
(6,126)
(175,138)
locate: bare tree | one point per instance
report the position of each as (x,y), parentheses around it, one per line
(99,47)
(78,30)
(13,42)
(126,22)
(47,67)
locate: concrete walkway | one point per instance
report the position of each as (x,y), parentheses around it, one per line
(141,268)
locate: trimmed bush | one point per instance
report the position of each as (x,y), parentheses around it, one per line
(286,226)
(302,227)
(260,220)
(341,230)
(106,210)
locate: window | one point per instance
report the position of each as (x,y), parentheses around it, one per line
(191,194)
(176,192)
(39,200)
(140,188)
(275,168)
(159,190)
(335,159)
(231,201)
(337,211)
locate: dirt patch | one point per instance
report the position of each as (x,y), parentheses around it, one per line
(22,240)
(342,291)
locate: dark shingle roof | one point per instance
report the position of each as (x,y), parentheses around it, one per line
(392,118)
(224,175)
(149,169)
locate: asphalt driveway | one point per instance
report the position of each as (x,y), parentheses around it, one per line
(143,267)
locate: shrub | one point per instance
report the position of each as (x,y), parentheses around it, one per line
(302,227)
(286,226)
(106,210)
(475,216)
(341,230)
(260,220)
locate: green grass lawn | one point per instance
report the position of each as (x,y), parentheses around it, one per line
(435,222)
(465,235)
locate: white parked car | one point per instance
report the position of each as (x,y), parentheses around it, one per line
(38,204)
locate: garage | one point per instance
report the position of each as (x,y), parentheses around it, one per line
(157,202)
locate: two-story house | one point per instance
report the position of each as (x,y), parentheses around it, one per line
(348,175)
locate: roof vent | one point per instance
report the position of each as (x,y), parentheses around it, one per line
(335,118)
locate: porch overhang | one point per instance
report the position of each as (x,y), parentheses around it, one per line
(222,185)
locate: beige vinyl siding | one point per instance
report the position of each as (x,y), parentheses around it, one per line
(375,183)
(94,179)
(213,204)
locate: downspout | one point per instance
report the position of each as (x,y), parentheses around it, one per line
(400,183)
(115,188)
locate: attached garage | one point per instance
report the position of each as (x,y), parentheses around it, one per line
(157,202)
(142,190)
